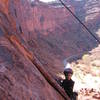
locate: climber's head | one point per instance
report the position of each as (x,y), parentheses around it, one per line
(68,72)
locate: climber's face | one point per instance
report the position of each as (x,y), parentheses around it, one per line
(68,76)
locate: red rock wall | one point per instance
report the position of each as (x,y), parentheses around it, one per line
(36,29)
(20,79)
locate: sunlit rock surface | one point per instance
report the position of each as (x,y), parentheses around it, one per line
(51,34)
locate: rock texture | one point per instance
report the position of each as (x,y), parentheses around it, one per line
(31,30)
(88,11)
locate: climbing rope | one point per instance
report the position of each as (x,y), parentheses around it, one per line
(80,21)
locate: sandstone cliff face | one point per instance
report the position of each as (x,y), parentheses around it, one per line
(88,11)
(34,29)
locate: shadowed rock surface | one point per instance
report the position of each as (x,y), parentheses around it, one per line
(31,30)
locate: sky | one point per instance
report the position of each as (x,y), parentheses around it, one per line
(47,0)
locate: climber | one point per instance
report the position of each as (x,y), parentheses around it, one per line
(68,84)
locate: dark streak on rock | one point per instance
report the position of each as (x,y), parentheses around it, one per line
(33,4)
(1,32)
(42,19)
(15,12)
(20,29)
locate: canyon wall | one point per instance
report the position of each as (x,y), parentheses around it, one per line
(45,31)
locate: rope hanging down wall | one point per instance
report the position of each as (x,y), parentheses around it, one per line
(80,21)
